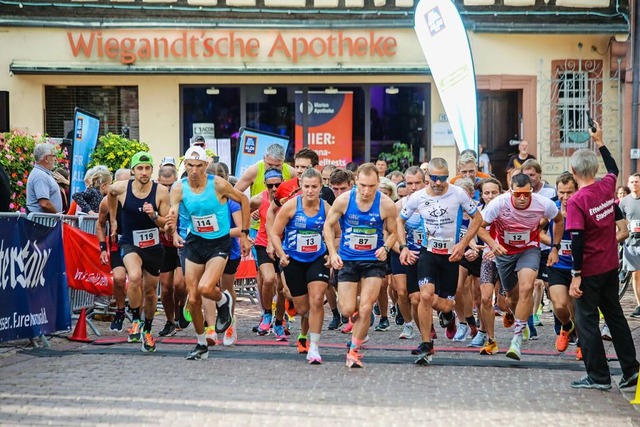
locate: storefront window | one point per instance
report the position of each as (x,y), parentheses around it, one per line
(115,106)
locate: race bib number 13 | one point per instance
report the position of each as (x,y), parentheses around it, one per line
(308,242)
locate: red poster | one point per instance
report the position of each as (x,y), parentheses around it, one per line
(247,267)
(330,126)
(82,259)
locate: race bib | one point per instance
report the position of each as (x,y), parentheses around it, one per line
(146,238)
(634,226)
(418,237)
(205,224)
(363,239)
(517,238)
(565,247)
(439,246)
(308,241)
(463,231)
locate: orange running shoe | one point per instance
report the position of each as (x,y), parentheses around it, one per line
(562,341)
(578,353)
(303,345)
(508,320)
(354,359)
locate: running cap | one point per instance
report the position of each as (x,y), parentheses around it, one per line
(141,157)
(195,153)
(272,173)
(168,161)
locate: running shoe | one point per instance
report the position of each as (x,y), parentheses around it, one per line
(490,347)
(198,353)
(562,341)
(335,323)
(451,330)
(628,381)
(399,318)
(473,331)
(182,323)
(416,351)
(383,325)
(303,345)
(148,342)
(116,324)
(426,354)
(231,334)
(573,337)
(587,382)
(393,311)
(605,333)
(479,340)
(224,319)
(376,309)
(265,324)
(462,333)
(407,332)
(279,331)
(444,322)
(578,353)
(372,319)
(536,320)
(636,313)
(169,330)
(348,327)
(526,333)
(366,339)
(212,336)
(186,312)
(135,331)
(313,356)
(515,348)
(434,335)
(354,359)
(508,320)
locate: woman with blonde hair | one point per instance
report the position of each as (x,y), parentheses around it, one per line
(89,200)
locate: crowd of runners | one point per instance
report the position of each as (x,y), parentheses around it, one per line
(414,245)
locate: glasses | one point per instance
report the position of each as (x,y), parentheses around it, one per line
(273,185)
(521,194)
(441,178)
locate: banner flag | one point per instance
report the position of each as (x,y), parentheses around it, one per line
(247,267)
(85,136)
(34,297)
(330,126)
(445,45)
(252,146)
(82,259)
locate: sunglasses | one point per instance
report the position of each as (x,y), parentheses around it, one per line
(273,185)
(521,194)
(441,178)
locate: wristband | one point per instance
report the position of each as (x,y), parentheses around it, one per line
(402,247)
(103,246)
(245,231)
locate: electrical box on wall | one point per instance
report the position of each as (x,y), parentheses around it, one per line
(634,153)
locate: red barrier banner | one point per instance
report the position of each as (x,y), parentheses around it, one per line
(247,267)
(82,258)
(330,126)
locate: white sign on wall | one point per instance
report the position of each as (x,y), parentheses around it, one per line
(442,135)
(207,130)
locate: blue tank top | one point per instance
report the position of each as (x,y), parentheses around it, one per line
(565,259)
(361,231)
(303,234)
(137,228)
(415,230)
(207,217)
(235,244)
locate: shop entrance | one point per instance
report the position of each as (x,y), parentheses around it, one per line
(498,124)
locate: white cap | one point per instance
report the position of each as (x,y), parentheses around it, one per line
(195,153)
(168,161)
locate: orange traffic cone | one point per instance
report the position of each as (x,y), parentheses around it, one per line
(80,332)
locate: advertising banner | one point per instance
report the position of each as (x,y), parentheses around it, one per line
(330,126)
(82,259)
(446,48)
(85,136)
(252,145)
(34,297)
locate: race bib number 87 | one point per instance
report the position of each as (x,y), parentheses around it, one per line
(363,239)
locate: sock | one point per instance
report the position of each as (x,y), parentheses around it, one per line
(120,312)
(315,338)
(519,328)
(383,318)
(135,313)
(202,339)
(267,311)
(278,322)
(222,301)
(147,325)
(471,321)
(301,337)
(410,324)
(335,312)
(355,343)
(568,326)
(463,323)
(480,331)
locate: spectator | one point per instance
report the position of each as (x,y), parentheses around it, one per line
(43,192)
(484,163)
(396,176)
(352,166)
(621,192)
(5,184)
(516,161)
(89,200)
(61,175)
(594,284)
(382,165)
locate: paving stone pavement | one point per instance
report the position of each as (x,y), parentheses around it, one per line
(259,382)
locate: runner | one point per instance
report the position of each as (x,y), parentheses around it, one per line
(441,206)
(208,243)
(363,214)
(110,254)
(145,206)
(302,254)
(630,206)
(406,276)
(516,220)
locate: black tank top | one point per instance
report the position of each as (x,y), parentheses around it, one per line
(134,220)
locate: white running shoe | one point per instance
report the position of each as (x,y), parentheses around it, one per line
(479,340)
(231,334)
(462,333)
(515,348)
(407,332)
(313,356)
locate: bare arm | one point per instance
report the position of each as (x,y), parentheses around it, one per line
(101,230)
(47,206)
(175,197)
(337,210)
(622,230)
(162,201)
(277,228)
(390,216)
(115,191)
(225,189)
(247,178)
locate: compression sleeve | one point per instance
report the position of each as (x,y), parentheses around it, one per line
(577,249)
(609,163)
